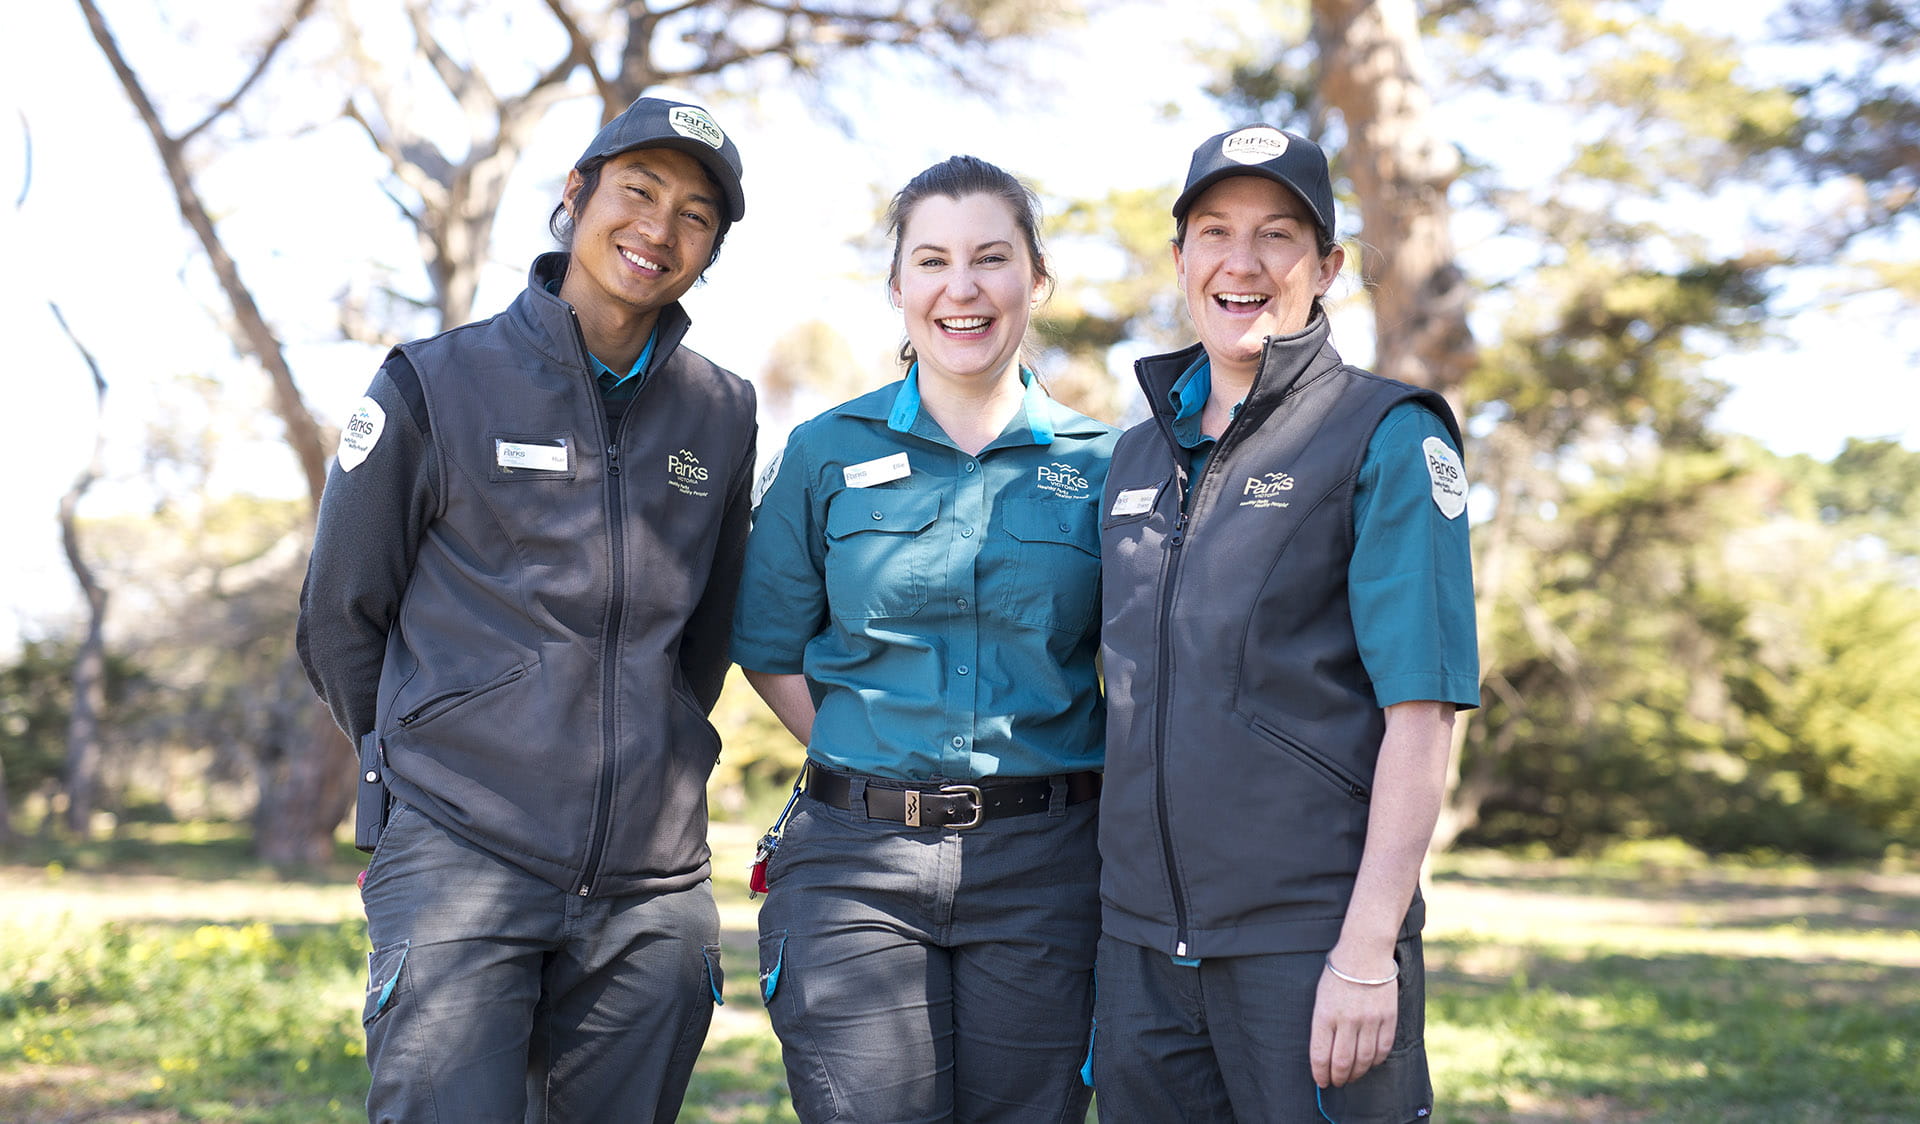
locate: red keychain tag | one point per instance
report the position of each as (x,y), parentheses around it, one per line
(757,875)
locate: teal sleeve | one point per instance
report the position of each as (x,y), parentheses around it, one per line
(1410,581)
(783,595)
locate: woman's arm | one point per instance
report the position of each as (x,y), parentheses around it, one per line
(787,696)
(1353,1024)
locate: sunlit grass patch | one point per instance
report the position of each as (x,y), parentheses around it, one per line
(1560,991)
(210,1022)
(1671,1036)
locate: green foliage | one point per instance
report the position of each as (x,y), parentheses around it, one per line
(758,757)
(36,699)
(213,1022)
(1691,654)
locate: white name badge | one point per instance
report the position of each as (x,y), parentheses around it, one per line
(1135,501)
(868,473)
(543,458)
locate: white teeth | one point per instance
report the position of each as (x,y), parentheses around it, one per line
(643,263)
(1241,298)
(964,323)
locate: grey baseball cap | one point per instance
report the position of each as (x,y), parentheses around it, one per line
(1288,159)
(659,123)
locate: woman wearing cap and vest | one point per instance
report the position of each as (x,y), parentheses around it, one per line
(1288,630)
(920,608)
(518,604)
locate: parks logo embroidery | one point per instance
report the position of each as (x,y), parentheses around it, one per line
(1062,480)
(1266,491)
(687,475)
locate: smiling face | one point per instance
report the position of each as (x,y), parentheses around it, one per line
(1250,268)
(643,236)
(966,283)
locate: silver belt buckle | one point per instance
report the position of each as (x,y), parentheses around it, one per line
(972,792)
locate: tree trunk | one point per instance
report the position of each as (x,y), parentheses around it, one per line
(6,810)
(305,794)
(307,778)
(82,774)
(1371,69)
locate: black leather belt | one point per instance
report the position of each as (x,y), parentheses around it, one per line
(958,805)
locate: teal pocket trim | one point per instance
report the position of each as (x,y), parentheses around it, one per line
(383,971)
(1093,1028)
(711,955)
(770,976)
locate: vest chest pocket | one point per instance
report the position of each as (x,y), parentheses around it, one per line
(883,549)
(1056,580)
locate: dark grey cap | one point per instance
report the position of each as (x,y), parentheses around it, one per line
(1286,158)
(658,123)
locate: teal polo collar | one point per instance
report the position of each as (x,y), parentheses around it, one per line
(1036,404)
(1189,398)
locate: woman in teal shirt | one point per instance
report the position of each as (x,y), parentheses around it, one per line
(920,608)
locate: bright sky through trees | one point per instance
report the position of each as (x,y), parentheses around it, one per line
(1117,104)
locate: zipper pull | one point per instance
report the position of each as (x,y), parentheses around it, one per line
(1179,531)
(613,460)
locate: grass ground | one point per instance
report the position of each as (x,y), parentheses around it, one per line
(165,978)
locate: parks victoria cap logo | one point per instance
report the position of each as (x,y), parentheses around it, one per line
(693,123)
(1254,146)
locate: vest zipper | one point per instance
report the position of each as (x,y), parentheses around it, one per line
(1170,579)
(610,644)
(1162,698)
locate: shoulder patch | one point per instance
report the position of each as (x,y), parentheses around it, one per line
(1449,477)
(361,433)
(765,479)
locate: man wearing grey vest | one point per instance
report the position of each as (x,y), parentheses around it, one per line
(517,606)
(1287,633)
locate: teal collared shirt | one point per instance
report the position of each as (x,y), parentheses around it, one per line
(616,387)
(945,608)
(1410,581)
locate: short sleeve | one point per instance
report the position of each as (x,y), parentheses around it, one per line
(783,598)
(1411,576)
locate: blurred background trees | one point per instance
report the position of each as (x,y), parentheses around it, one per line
(1684,633)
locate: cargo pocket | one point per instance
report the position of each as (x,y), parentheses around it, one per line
(773,951)
(716,979)
(385,967)
(1399,1090)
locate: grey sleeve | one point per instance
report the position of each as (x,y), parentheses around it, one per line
(382,491)
(703,646)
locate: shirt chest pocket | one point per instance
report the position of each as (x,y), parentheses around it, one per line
(1055,579)
(883,552)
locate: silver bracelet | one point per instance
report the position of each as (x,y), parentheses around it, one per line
(1339,975)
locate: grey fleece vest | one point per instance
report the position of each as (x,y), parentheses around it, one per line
(1242,727)
(532,698)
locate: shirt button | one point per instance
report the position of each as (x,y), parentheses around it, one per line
(971,466)
(963,669)
(1064,527)
(958,742)
(966,532)
(877,515)
(960,603)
